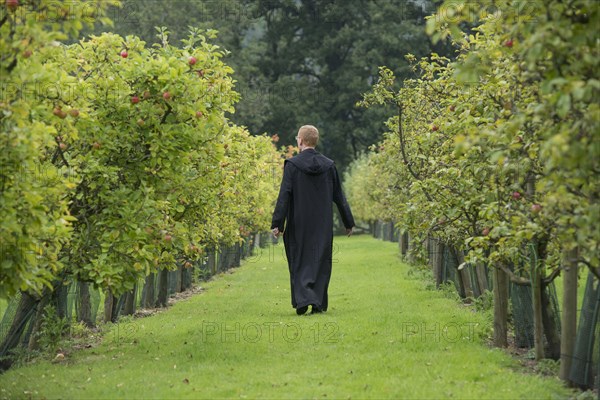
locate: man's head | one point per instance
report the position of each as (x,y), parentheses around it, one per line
(308,136)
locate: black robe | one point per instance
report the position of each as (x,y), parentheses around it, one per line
(308,190)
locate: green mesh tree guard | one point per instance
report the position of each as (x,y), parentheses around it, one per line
(16,326)
(584,366)
(450,270)
(8,316)
(522,312)
(202,269)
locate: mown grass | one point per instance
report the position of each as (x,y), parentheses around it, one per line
(384,336)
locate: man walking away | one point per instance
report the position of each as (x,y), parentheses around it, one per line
(304,213)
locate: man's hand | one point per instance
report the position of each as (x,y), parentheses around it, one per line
(276,232)
(349,231)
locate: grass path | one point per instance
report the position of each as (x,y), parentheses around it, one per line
(384,336)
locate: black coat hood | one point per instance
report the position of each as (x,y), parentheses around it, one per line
(311,162)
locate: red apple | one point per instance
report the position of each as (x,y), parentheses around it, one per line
(74,113)
(508,43)
(166,95)
(96,145)
(135,99)
(434,128)
(516,195)
(168,238)
(62,146)
(12,4)
(536,208)
(199,114)
(124,54)
(59,113)
(27,53)
(192,60)
(485,231)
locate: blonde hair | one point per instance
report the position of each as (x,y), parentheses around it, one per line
(309,135)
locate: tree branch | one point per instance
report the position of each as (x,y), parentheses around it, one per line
(555,274)
(519,280)
(403,150)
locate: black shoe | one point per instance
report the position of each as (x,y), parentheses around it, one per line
(301,310)
(315,310)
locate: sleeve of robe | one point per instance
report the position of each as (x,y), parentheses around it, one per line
(283,201)
(340,200)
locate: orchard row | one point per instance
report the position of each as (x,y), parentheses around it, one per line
(496,154)
(130,166)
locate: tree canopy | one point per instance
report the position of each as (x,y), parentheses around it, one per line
(299,62)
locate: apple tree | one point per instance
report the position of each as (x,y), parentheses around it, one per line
(33,207)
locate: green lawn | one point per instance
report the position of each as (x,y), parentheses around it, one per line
(384,336)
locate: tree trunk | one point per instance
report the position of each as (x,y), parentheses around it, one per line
(256,244)
(538,324)
(230,257)
(394,232)
(218,260)
(163,288)
(109,300)
(482,279)
(129,307)
(37,322)
(536,282)
(569,314)
(148,291)
(404,243)
(430,247)
(409,246)
(438,262)
(464,274)
(117,307)
(186,278)
(238,255)
(25,311)
(500,283)
(179,279)
(60,299)
(212,262)
(549,319)
(84,304)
